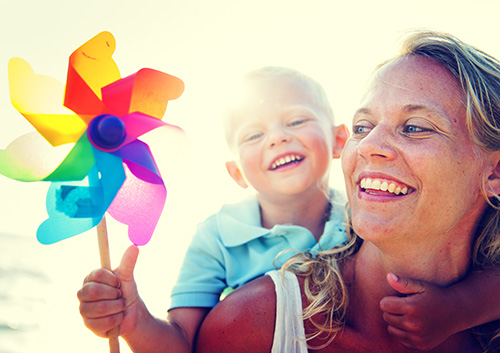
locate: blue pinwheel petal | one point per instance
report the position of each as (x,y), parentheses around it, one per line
(76,207)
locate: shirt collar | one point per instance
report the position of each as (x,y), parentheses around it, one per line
(240,223)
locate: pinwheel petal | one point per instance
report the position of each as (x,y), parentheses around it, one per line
(112,173)
(38,98)
(147,91)
(137,124)
(91,67)
(138,204)
(73,208)
(140,161)
(31,158)
(76,207)
(77,163)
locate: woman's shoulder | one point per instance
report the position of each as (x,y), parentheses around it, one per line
(243,321)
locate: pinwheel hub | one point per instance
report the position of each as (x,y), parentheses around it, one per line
(107,131)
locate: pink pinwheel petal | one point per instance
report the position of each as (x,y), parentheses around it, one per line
(91,67)
(137,124)
(38,98)
(138,204)
(147,91)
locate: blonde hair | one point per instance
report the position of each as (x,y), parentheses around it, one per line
(283,73)
(479,76)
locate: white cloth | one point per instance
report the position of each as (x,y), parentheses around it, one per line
(289,336)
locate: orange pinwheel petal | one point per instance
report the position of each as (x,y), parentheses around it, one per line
(38,98)
(147,91)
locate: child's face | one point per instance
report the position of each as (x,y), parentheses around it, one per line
(283,138)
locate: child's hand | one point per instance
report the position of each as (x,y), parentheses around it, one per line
(425,317)
(110,299)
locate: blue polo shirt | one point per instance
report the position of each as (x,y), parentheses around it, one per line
(230,248)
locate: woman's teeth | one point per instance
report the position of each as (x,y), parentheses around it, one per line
(382,185)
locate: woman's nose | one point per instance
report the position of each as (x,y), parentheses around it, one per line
(377,144)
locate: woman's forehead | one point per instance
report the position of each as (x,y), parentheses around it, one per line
(416,78)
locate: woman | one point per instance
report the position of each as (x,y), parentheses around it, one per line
(422,172)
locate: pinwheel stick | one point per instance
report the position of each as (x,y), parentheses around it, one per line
(102,238)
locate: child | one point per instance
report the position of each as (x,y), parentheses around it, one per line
(281,130)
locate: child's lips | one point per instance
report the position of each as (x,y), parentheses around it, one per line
(284,160)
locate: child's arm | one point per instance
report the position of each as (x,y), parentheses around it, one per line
(110,299)
(430,314)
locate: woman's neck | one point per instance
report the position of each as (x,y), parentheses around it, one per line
(441,262)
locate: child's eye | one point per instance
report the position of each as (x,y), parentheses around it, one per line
(297,122)
(253,137)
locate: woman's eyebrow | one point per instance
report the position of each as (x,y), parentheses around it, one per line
(362,111)
(415,107)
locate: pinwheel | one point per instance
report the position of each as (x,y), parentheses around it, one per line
(108,169)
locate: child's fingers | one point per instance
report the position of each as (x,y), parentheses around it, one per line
(101,309)
(125,271)
(405,285)
(93,291)
(104,276)
(102,326)
(401,322)
(402,336)
(394,305)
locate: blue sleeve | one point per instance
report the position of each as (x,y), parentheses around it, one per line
(202,276)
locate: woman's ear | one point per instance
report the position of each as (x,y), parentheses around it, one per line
(340,136)
(236,175)
(492,181)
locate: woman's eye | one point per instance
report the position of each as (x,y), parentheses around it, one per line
(412,129)
(361,129)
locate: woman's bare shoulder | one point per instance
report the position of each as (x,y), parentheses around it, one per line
(243,322)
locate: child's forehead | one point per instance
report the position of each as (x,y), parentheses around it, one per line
(272,90)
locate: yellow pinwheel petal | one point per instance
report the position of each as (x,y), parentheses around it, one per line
(39,99)
(94,64)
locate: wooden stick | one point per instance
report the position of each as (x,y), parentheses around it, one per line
(102,238)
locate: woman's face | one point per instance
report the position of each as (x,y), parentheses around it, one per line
(410,167)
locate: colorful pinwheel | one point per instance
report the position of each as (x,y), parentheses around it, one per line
(108,168)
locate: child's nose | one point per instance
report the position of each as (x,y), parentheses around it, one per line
(277,137)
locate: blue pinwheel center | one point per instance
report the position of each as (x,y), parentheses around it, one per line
(107,131)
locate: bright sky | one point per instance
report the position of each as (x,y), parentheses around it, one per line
(205,43)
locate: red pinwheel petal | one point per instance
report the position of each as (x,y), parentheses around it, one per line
(147,91)
(90,68)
